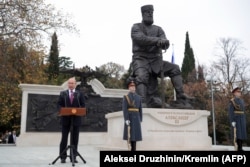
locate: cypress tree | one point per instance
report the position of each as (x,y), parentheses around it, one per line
(188,64)
(53,60)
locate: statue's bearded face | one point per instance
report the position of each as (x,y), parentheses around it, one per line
(147,17)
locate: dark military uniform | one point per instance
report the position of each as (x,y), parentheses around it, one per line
(133,113)
(237,114)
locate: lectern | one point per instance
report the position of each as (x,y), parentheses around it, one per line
(67,111)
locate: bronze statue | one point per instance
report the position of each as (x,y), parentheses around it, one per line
(148,42)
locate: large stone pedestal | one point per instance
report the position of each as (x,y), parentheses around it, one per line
(163,129)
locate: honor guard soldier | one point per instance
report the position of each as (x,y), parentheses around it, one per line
(237,117)
(132,112)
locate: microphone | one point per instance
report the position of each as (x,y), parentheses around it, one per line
(78,96)
(65,96)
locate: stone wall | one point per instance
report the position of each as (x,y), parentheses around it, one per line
(40,116)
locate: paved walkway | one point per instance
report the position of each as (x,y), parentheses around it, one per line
(24,156)
(18,156)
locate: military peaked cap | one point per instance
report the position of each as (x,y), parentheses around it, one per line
(236,89)
(131,82)
(146,8)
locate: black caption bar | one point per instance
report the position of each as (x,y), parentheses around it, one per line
(173,158)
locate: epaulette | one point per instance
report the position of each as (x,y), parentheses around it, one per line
(236,106)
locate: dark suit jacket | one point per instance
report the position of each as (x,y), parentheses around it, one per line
(64,101)
(11,139)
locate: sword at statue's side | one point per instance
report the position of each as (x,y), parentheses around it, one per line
(173,61)
(162,81)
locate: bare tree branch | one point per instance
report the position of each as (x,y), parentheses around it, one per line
(231,67)
(25,20)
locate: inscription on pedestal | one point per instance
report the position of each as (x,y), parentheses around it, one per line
(176,117)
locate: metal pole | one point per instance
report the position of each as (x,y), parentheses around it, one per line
(212,94)
(173,61)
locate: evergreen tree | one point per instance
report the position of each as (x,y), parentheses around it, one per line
(53,60)
(65,63)
(200,74)
(188,64)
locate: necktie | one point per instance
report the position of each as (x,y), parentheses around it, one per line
(71,96)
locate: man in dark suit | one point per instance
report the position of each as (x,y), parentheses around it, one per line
(12,137)
(70,98)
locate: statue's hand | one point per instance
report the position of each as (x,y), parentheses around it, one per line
(163,43)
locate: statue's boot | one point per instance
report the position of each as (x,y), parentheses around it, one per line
(141,90)
(182,100)
(180,104)
(156,102)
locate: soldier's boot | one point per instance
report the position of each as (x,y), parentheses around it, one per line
(133,145)
(141,90)
(239,143)
(182,100)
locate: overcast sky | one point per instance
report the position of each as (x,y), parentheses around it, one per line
(105,28)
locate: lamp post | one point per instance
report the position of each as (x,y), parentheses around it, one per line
(212,98)
(213,112)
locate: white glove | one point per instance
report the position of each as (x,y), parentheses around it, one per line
(233,124)
(127,122)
